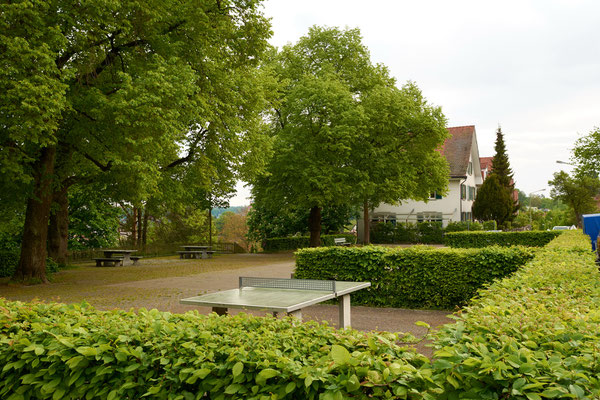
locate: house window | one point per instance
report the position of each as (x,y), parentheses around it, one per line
(470,168)
(466,216)
(463,192)
(429,217)
(434,196)
(471,193)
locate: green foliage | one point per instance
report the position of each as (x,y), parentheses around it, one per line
(73,351)
(493,202)
(490,225)
(299,242)
(459,226)
(422,232)
(416,277)
(577,191)
(272,220)
(586,153)
(93,221)
(189,226)
(533,335)
(484,239)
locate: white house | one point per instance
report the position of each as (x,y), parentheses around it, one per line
(462,153)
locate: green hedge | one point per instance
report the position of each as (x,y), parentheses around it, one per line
(75,352)
(422,232)
(9,259)
(534,335)
(484,239)
(416,277)
(298,242)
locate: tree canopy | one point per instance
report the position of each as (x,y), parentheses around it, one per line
(586,153)
(577,191)
(344,135)
(493,201)
(121,92)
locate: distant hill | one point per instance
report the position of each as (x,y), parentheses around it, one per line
(216,212)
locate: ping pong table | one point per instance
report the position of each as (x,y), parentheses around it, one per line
(279,295)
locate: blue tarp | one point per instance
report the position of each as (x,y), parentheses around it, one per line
(591,227)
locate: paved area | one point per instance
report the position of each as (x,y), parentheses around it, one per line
(363,318)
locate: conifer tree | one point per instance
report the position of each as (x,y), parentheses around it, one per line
(493,202)
(500,165)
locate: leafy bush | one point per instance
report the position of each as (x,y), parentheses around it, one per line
(298,242)
(416,277)
(460,226)
(490,225)
(430,232)
(8,262)
(484,239)
(73,351)
(533,335)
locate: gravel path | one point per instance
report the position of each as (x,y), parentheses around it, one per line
(363,318)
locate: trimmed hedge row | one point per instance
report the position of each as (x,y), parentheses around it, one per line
(416,277)
(422,232)
(298,242)
(533,335)
(75,352)
(485,239)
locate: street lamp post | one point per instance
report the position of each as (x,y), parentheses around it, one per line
(530,211)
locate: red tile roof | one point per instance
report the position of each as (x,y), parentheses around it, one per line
(457,149)
(486,163)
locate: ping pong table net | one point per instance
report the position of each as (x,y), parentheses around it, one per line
(283,283)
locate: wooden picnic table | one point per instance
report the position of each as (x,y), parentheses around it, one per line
(195,251)
(125,254)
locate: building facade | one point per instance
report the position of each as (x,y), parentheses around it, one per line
(462,153)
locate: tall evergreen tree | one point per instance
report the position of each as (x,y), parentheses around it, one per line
(493,202)
(500,164)
(501,168)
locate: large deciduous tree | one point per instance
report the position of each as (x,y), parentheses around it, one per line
(395,154)
(344,134)
(578,192)
(586,153)
(126,88)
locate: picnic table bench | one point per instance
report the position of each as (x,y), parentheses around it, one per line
(340,242)
(193,251)
(108,261)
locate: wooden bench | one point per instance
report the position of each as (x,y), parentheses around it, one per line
(135,259)
(108,262)
(340,242)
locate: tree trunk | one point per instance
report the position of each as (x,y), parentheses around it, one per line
(134,235)
(139,228)
(210,226)
(58,230)
(32,263)
(145,228)
(366,224)
(314,225)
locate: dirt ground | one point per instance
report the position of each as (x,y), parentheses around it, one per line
(160,283)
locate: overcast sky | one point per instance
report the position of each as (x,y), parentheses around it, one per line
(531,66)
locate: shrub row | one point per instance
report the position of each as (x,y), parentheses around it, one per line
(75,352)
(9,259)
(416,277)
(423,232)
(298,242)
(484,239)
(533,335)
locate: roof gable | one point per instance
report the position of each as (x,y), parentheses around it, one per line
(457,149)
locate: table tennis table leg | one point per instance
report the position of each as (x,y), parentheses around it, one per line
(344,309)
(296,314)
(220,310)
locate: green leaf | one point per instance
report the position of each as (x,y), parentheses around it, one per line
(237,368)
(339,354)
(352,383)
(86,351)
